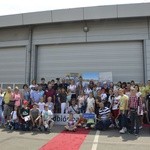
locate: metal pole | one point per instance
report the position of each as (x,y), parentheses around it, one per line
(30,54)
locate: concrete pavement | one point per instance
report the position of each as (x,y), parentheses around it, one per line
(104,140)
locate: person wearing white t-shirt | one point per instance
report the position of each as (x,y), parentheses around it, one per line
(103,95)
(13,124)
(47,117)
(41,104)
(90,102)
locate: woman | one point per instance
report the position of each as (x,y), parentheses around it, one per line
(32,86)
(63,99)
(115,107)
(17,97)
(72,87)
(135,106)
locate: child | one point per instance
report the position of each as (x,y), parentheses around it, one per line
(25,116)
(90,121)
(47,116)
(50,104)
(41,104)
(81,121)
(14,120)
(71,123)
(90,102)
(35,117)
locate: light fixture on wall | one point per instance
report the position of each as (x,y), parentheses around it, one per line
(86,29)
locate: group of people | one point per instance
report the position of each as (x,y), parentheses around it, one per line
(124,105)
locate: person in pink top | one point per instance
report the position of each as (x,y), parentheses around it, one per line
(17,97)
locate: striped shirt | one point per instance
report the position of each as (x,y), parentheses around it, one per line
(103,112)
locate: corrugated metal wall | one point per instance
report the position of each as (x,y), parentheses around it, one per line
(123,59)
(120,34)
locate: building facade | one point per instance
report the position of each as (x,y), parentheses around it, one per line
(94,39)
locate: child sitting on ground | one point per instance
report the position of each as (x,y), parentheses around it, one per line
(91,119)
(81,121)
(14,120)
(71,123)
(47,116)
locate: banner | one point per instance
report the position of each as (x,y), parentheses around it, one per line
(88,116)
(87,76)
(61,119)
(105,77)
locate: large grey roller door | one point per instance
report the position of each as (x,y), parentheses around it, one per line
(12,64)
(123,59)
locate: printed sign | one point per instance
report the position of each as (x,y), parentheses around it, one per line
(87,76)
(88,116)
(61,119)
(105,77)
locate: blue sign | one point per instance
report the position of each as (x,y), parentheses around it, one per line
(89,116)
(90,76)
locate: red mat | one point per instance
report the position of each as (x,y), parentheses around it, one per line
(67,140)
(146,125)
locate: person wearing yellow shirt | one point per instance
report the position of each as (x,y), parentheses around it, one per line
(123,108)
(7,108)
(147,88)
(142,90)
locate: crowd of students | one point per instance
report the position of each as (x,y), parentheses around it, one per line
(124,105)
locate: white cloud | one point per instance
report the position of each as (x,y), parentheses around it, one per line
(20,6)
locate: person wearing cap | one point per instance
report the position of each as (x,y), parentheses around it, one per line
(35,117)
(47,118)
(9,103)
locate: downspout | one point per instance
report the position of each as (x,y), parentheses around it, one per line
(30,54)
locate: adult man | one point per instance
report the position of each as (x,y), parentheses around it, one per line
(36,95)
(49,93)
(104,117)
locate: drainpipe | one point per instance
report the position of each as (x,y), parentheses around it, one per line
(30,54)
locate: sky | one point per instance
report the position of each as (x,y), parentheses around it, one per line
(8,7)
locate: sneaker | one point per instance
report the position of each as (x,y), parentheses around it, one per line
(136,134)
(123,130)
(117,123)
(111,126)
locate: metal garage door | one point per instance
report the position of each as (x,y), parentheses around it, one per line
(123,59)
(12,65)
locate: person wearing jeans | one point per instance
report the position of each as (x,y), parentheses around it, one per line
(123,109)
(104,118)
(135,106)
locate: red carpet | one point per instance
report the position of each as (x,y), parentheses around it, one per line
(66,140)
(146,125)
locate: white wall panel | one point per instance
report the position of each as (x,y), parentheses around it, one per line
(12,65)
(123,59)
